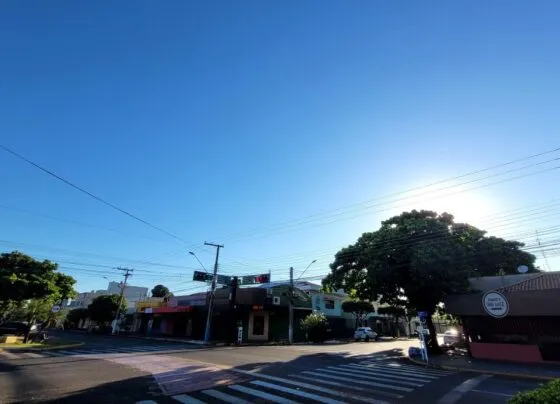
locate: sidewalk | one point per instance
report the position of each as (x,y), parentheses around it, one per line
(498,368)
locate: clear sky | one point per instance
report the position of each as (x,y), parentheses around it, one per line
(235,122)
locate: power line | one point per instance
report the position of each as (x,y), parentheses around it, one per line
(91,195)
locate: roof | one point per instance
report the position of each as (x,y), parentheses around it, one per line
(540,281)
(486,283)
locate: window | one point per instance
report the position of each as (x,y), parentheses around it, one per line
(329,304)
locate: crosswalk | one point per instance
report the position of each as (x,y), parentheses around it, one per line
(15,355)
(371,381)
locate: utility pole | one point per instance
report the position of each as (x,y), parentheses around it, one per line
(212,292)
(291,307)
(542,251)
(127,274)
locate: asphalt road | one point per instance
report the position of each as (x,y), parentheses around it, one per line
(119,370)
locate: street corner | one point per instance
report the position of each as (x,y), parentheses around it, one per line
(173,375)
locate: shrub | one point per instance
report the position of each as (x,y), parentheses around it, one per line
(546,394)
(315,326)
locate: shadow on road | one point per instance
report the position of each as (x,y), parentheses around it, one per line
(191,376)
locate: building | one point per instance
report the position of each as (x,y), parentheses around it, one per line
(132,294)
(83,300)
(262,311)
(512,317)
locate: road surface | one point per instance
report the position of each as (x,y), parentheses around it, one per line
(119,370)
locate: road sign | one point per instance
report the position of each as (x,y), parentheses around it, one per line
(224,279)
(495,304)
(55,309)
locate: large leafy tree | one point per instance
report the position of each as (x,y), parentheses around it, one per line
(103,309)
(417,258)
(32,286)
(161,291)
(359,308)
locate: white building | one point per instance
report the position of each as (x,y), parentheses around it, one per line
(132,294)
(83,300)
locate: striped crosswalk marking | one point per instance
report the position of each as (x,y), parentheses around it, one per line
(356,388)
(319,388)
(407,381)
(146,402)
(300,393)
(184,399)
(225,397)
(262,394)
(353,380)
(396,374)
(405,371)
(9,355)
(32,355)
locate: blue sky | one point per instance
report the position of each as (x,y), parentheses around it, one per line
(217,121)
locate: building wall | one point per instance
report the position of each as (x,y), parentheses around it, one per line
(132,294)
(328,304)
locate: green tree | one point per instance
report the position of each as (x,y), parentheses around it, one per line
(359,308)
(32,286)
(315,326)
(161,291)
(103,309)
(74,317)
(417,258)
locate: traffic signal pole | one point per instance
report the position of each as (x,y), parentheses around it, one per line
(212,292)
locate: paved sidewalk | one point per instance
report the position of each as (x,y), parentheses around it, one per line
(521,370)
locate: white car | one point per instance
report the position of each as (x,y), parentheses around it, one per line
(365,334)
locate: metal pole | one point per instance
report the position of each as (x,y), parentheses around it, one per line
(291,307)
(212,292)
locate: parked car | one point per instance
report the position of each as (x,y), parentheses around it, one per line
(365,334)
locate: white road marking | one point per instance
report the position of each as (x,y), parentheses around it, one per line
(492,392)
(374,376)
(399,371)
(458,392)
(415,369)
(319,388)
(225,397)
(262,394)
(366,383)
(383,384)
(346,386)
(300,393)
(184,399)
(388,375)
(9,355)
(32,355)
(146,402)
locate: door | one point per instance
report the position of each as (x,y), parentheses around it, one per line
(258,326)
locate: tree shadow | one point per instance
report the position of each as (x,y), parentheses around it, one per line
(193,376)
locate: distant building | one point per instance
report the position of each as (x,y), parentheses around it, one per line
(83,300)
(132,294)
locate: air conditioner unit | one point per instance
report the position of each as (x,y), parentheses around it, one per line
(276,300)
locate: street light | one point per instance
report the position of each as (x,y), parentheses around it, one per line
(201,264)
(311,263)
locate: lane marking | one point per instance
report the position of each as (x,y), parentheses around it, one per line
(225,397)
(399,372)
(300,393)
(184,399)
(346,386)
(458,392)
(9,355)
(319,388)
(262,394)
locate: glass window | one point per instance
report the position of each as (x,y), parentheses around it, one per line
(329,304)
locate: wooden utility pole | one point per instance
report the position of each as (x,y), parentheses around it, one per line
(127,274)
(212,292)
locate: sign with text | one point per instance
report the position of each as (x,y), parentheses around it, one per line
(254,279)
(202,276)
(495,304)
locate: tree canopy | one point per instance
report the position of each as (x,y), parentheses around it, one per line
(359,308)
(103,309)
(418,258)
(161,291)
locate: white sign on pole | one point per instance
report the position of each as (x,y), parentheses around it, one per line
(239,335)
(55,309)
(495,304)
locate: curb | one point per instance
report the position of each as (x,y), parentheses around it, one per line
(481,371)
(45,348)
